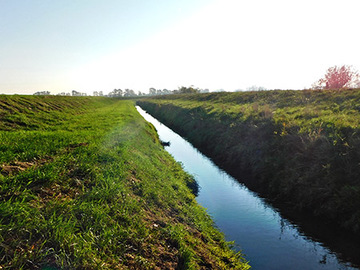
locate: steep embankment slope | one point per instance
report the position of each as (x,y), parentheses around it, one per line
(298,147)
(85,184)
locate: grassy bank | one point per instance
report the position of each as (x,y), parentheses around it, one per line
(301,148)
(85,184)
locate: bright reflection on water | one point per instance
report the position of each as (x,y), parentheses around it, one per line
(268,241)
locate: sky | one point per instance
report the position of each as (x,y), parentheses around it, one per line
(93,45)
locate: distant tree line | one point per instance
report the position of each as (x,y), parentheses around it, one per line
(336,77)
(121,93)
(131,93)
(73,93)
(42,93)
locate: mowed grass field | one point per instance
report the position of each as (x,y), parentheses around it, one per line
(86,184)
(299,149)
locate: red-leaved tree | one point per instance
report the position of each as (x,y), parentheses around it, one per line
(338,78)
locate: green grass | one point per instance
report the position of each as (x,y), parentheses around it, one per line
(298,147)
(85,184)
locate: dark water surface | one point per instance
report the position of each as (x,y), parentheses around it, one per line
(268,240)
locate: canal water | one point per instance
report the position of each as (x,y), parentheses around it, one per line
(268,240)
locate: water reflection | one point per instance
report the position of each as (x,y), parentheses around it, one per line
(268,240)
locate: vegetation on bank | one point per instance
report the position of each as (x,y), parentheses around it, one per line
(297,147)
(86,184)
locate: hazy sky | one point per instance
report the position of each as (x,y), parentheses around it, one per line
(87,45)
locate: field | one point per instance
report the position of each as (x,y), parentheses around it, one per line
(298,149)
(86,184)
